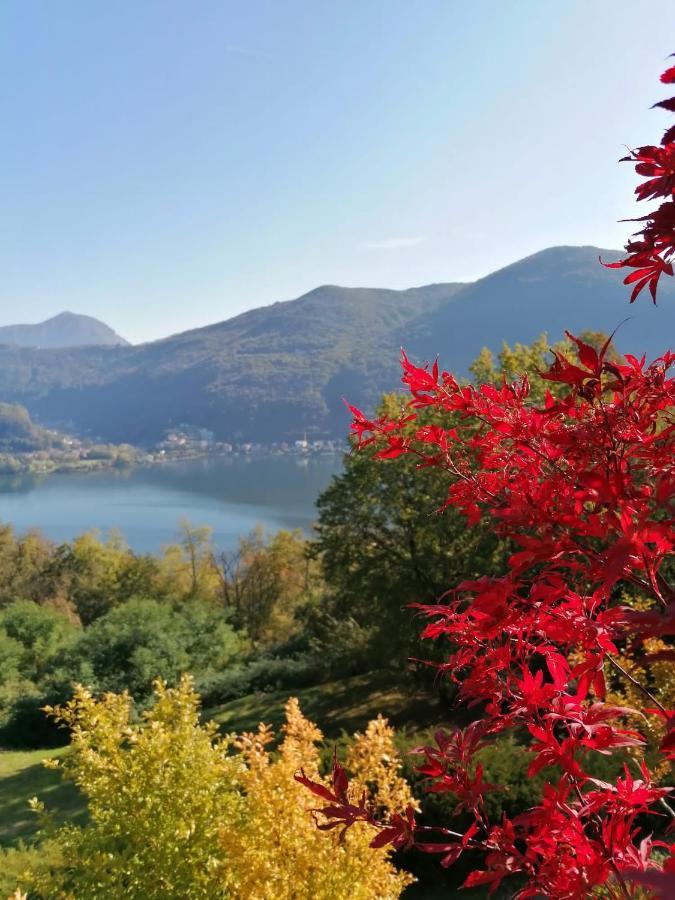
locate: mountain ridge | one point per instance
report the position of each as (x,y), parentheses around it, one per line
(276,372)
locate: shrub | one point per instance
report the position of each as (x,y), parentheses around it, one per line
(176,811)
(143,639)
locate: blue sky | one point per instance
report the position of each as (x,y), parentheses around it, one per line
(168,164)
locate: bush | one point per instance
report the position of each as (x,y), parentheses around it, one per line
(144,639)
(32,639)
(174,812)
(261,674)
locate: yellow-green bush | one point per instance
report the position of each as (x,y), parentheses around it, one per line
(175,811)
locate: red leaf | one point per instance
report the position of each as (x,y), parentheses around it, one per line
(668,104)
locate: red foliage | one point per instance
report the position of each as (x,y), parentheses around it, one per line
(650,252)
(584,487)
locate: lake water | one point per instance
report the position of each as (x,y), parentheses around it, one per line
(231,495)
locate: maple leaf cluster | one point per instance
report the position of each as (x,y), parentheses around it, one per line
(583,485)
(650,251)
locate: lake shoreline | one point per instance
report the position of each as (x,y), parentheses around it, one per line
(231,494)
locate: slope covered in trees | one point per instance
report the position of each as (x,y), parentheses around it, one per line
(18,433)
(279,371)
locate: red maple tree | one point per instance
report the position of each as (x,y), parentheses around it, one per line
(650,250)
(583,486)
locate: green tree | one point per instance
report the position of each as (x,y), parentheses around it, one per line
(381,542)
(144,639)
(532,359)
(382,546)
(40,632)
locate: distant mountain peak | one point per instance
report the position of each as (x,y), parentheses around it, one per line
(66,329)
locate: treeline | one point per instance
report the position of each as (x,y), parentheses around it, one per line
(279,612)
(93,612)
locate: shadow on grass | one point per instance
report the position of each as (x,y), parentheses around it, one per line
(23,776)
(337,706)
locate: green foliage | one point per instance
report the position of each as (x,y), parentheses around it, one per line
(18,433)
(531,360)
(32,640)
(143,639)
(40,631)
(92,611)
(383,546)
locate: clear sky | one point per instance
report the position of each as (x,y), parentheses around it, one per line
(168,164)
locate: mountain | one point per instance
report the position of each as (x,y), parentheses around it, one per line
(65,330)
(268,374)
(281,370)
(553,290)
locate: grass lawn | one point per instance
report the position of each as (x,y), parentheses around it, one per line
(345,705)
(23,776)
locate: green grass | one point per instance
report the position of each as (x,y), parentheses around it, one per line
(337,706)
(23,776)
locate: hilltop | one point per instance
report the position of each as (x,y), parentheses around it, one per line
(65,330)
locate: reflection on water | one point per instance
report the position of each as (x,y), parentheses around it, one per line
(231,495)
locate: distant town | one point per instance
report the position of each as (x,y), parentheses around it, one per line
(186,441)
(68,453)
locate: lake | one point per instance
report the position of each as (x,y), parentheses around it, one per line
(229,494)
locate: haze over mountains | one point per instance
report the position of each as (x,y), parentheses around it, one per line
(65,330)
(273,373)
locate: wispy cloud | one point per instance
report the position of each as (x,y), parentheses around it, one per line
(245,51)
(396,243)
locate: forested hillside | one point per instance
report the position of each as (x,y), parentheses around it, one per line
(18,433)
(276,372)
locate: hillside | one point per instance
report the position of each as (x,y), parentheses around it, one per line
(278,371)
(553,290)
(18,433)
(268,374)
(65,330)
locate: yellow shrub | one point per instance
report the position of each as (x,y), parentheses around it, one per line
(156,792)
(277,851)
(177,812)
